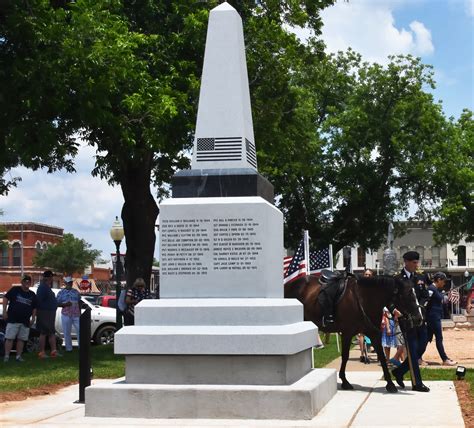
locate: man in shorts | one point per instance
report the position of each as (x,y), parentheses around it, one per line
(20,315)
(47,305)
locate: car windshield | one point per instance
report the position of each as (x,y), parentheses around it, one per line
(91,299)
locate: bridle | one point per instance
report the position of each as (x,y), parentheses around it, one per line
(408,318)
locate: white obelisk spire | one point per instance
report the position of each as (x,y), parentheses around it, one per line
(224,129)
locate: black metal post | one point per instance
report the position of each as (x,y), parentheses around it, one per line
(118,287)
(84,353)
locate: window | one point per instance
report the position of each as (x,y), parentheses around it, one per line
(4,255)
(461,255)
(346,257)
(421,251)
(39,250)
(360,257)
(435,256)
(403,250)
(16,254)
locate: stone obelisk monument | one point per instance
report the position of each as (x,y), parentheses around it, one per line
(222,342)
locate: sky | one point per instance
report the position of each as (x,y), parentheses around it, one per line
(441,32)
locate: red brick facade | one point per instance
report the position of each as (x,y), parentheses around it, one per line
(34,237)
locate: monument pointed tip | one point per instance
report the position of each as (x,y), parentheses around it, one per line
(223,7)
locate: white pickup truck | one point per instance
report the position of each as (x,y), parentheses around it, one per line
(102,322)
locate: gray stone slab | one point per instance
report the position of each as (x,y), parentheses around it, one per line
(301,400)
(218,369)
(216,340)
(220,248)
(218,312)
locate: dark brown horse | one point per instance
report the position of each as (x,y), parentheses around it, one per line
(358,311)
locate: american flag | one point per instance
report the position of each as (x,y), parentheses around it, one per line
(453,295)
(251,154)
(319,260)
(219,149)
(294,267)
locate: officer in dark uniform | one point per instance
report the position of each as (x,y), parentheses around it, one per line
(416,337)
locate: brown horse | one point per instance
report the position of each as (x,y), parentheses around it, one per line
(358,311)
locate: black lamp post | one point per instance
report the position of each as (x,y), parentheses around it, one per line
(117,234)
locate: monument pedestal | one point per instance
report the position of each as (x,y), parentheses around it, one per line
(216,358)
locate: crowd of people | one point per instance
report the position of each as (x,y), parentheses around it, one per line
(24,309)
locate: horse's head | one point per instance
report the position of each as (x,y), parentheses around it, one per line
(404,299)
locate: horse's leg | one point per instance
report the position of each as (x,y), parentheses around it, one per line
(377,342)
(346,344)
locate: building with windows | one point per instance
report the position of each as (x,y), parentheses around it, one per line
(23,242)
(455,260)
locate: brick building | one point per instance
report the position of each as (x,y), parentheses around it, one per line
(23,242)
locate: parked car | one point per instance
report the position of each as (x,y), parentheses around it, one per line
(91,298)
(102,321)
(107,301)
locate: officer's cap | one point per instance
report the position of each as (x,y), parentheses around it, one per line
(411,255)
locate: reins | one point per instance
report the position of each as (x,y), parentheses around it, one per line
(366,318)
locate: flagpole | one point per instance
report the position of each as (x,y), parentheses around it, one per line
(306,250)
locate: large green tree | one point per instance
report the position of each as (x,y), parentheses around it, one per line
(362,145)
(455,220)
(70,255)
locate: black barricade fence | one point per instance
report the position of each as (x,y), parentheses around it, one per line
(84,353)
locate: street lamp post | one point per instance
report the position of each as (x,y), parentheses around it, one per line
(117,234)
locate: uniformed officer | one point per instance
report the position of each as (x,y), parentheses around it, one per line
(416,336)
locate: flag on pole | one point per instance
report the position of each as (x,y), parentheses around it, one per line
(453,295)
(319,260)
(295,267)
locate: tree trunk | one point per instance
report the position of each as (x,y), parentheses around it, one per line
(139,214)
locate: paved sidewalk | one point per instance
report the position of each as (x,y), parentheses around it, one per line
(369,405)
(431,355)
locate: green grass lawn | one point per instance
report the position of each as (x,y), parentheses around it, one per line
(325,355)
(34,373)
(448,374)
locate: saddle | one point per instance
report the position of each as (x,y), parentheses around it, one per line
(333,287)
(328,276)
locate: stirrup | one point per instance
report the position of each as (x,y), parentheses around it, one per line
(329,320)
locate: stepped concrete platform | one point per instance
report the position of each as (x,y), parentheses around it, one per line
(300,400)
(369,405)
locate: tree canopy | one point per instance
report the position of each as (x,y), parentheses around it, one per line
(347,144)
(362,145)
(70,255)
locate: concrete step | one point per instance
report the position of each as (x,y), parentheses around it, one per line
(458,325)
(445,324)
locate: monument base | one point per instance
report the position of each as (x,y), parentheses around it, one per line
(300,400)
